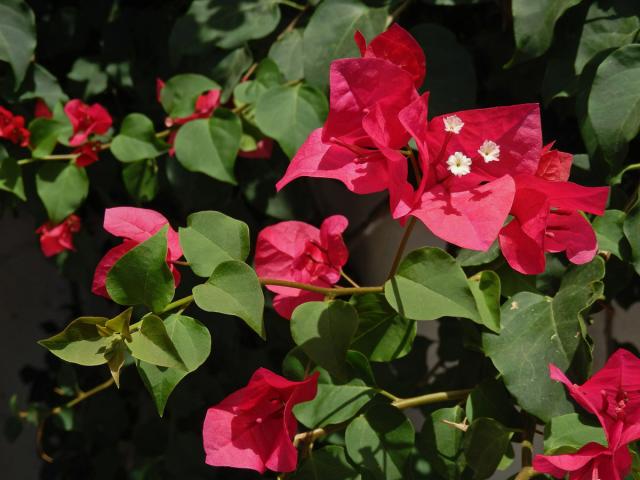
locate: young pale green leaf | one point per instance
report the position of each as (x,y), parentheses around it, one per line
(210,146)
(441,443)
(17,37)
(233,289)
(334,402)
(614,102)
(485,443)
(141,276)
(137,140)
(537,331)
(452,77)
(80,342)
(225,23)
(429,284)
(533,25)
(288,52)
(141,180)
(325,330)
(211,238)
(289,114)
(152,344)
(631,228)
(568,433)
(485,287)
(45,133)
(383,335)
(329,35)
(381,441)
(192,341)
(11,175)
(62,187)
(179,95)
(329,462)
(610,234)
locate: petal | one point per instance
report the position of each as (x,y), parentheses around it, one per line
(331,239)
(471,218)
(568,195)
(523,253)
(104,265)
(571,232)
(558,465)
(554,165)
(516,129)
(325,160)
(285,304)
(136,224)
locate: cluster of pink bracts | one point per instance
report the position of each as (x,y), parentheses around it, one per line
(474,168)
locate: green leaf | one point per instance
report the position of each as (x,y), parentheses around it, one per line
(610,234)
(334,402)
(80,342)
(491,399)
(289,114)
(192,341)
(451,81)
(614,102)
(210,146)
(485,287)
(141,276)
(631,229)
(473,258)
(383,335)
(267,75)
(211,238)
(429,284)
(329,35)
(381,441)
(225,23)
(329,462)
(45,133)
(441,443)
(288,52)
(137,140)
(537,331)
(152,344)
(91,72)
(485,443)
(11,175)
(179,95)
(62,187)
(44,85)
(230,69)
(17,36)
(533,25)
(233,289)
(324,330)
(141,180)
(568,433)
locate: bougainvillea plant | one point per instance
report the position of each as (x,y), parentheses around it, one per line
(526,248)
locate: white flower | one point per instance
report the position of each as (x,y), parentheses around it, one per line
(490,151)
(453,124)
(459,164)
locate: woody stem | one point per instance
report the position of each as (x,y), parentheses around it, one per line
(403,243)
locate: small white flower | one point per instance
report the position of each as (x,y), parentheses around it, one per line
(459,164)
(490,151)
(453,124)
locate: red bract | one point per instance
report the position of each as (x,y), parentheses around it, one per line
(613,395)
(55,239)
(254,426)
(134,225)
(398,47)
(12,128)
(546,216)
(86,120)
(41,110)
(593,461)
(263,150)
(299,252)
(88,154)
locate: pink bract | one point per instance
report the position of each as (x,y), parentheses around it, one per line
(299,252)
(254,427)
(55,239)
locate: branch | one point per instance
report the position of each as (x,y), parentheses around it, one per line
(403,243)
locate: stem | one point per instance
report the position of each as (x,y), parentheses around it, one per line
(403,243)
(349,279)
(398,11)
(526,473)
(335,292)
(414,164)
(82,396)
(390,396)
(177,304)
(180,262)
(430,398)
(526,455)
(292,4)
(163,133)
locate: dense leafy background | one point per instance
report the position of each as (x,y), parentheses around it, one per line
(580,59)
